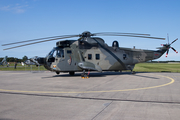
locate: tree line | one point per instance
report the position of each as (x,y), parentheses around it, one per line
(14,59)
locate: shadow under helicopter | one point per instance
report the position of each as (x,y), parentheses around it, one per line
(104,74)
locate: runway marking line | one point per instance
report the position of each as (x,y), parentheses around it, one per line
(20,91)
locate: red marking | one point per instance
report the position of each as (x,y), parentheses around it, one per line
(70,60)
(156,54)
(88,72)
(166,55)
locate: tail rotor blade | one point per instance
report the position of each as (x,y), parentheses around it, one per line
(174,41)
(167,52)
(168,38)
(174,50)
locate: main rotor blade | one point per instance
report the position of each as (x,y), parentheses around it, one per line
(117,33)
(143,37)
(126,34)
(38,39)
(81,36)
(41,42)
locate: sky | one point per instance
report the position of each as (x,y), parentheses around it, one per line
(31,19)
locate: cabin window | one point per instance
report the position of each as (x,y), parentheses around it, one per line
(89,56)
(97,56)
(124,56)
(69,51)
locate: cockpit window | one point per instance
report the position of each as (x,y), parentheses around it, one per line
(62,53)
(51,53)
(59,53)
(56,53)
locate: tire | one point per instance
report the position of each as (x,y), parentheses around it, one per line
(71,73)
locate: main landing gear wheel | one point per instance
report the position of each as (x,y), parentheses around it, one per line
(84,75)
(133,72)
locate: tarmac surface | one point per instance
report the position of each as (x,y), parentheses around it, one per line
(103,96)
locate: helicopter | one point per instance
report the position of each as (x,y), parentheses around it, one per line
(91,53)
(32,61)
(4,61)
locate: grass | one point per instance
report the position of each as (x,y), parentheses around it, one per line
(22,68)
(157,67)
(141,67)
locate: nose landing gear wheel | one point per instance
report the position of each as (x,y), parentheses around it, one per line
(57,73)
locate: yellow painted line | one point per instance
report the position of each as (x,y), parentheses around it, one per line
(21,91)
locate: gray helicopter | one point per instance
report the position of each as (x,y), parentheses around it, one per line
(4,61)
(32,61)
(91,53)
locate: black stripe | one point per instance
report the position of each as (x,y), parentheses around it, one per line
(123,65)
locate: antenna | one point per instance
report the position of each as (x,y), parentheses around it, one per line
(168,38)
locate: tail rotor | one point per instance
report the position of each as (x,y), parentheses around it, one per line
(168,46)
